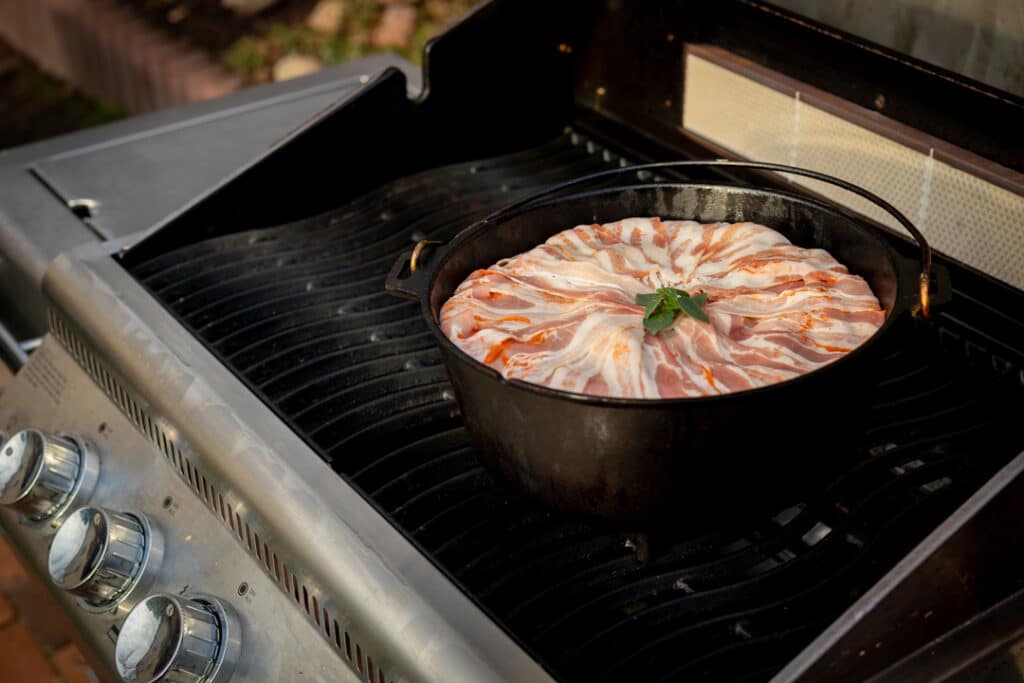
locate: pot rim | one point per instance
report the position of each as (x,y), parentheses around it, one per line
(901,267)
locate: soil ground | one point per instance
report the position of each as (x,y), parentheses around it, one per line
(34,106)
(251,45)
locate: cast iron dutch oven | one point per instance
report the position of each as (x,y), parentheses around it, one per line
(634,459)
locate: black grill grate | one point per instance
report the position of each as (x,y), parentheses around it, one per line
(299,312)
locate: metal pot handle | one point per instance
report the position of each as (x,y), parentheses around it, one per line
(926,286)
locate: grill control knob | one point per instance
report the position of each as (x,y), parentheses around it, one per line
(178,639)
(41,474)
(100,555)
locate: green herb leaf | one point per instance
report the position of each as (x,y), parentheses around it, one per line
(669,298)
(691,309)
(659,321)
(662,307)
(650,302)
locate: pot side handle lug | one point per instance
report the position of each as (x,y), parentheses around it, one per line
(409,278)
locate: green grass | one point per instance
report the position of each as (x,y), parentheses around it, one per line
(247,54)
(253,55)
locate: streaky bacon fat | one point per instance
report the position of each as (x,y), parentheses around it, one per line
(563,314)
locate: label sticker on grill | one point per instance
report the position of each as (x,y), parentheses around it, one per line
(44,375)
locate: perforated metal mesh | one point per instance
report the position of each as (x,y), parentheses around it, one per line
(962,215)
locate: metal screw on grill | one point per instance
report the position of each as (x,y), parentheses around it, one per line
(83,208)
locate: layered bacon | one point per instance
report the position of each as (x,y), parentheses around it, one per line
(563,314)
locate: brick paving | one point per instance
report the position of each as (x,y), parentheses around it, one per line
(71,665)
(35,636)
(108,53)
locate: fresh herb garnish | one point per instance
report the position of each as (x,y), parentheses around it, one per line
(662,307)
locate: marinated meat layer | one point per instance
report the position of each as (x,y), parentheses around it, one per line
(564,314)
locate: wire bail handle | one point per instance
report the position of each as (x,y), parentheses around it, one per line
(417,253)
(924,280)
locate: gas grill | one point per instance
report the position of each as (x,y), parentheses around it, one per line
(284,434)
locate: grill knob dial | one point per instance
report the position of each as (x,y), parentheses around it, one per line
(41,474)
(100,555)
(177,639)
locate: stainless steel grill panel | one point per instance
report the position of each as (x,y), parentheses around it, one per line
(210,491)
(319,529)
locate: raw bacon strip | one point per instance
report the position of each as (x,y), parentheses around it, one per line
(563,314)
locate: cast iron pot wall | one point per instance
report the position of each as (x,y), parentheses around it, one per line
(631,459)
